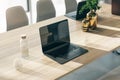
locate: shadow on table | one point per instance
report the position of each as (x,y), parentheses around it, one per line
(29,71)
(92,55)
(5,78)
(106,32)
(109,21)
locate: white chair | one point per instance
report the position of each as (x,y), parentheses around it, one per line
(16,17)
(45,10)
(71,5)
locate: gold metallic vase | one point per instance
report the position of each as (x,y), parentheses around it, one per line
(85,25)
(93,19)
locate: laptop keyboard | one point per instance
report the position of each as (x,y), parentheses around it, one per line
(73,51)
(74,16)
(66,53)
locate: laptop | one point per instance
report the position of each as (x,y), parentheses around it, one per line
(75,14)
(55,41)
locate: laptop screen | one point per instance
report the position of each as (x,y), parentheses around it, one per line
(79,7)
(54,35)
(76,15)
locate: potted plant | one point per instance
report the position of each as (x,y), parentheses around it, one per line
(92,5)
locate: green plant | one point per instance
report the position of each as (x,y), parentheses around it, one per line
(91,5)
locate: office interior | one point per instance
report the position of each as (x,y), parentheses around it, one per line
(101,60)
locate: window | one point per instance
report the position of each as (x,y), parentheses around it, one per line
(4,4)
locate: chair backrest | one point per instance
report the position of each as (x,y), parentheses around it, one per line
(45,10)
(71,5)
(16,17)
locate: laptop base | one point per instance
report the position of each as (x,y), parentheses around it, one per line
(71,15)
(63,55)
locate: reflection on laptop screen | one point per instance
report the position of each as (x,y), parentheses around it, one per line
(54,35)
(56,44)
(75,14)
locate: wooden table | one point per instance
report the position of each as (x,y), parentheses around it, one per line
(40,67)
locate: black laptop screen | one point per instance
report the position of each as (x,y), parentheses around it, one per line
(54,35)
(79,7)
